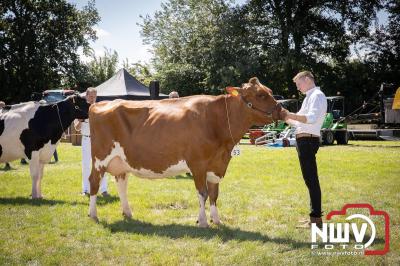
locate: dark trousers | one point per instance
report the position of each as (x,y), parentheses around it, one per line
(307,148)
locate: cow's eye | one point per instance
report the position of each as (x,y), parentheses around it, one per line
(262,96)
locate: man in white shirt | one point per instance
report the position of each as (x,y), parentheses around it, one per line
(83,126)
(308,121)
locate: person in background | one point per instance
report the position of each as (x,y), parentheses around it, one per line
(308,121)
(173,94)
(84,127)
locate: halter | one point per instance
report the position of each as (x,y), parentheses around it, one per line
(267,113)
(58,110)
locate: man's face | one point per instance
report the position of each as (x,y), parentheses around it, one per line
(302,84)
(91,97)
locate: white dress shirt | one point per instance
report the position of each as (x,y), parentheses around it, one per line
(314,108)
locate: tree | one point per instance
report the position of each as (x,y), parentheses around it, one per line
(100,68)
(141,71)
(39,41)
(384,47)
(202,46)
(314,35)
(184,34)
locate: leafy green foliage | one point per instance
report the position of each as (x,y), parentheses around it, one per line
(203,46)
(141,71)
(99,68)
(39,41)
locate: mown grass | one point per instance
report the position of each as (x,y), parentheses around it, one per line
(261,199)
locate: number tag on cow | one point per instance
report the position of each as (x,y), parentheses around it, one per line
(236,150)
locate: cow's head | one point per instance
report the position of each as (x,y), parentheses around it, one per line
(261,105)
(80,106)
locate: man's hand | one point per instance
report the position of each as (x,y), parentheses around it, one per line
(283,114)
(296,117)
(78,124)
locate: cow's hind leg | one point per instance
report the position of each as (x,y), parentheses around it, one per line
(94,179)
(34,168)
(213,189)
(122,184)
(200,182)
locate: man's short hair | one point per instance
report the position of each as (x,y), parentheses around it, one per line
(91,89)
(304,74)
(173,94)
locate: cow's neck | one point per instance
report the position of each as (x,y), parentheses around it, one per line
(64,116)
(239,120)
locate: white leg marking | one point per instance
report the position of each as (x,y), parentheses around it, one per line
(122,184)
(213,178)
(39,181)
(214,214)
(34,167)
(92,207)
(202,212)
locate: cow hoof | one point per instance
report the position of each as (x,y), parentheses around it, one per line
(94,218)
(37,198)
(202,224)
(217,222)
(127,216)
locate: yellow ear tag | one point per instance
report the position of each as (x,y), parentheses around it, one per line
(234,93)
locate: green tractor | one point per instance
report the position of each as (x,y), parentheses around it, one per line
(334,127)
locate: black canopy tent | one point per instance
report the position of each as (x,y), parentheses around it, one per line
(125,86)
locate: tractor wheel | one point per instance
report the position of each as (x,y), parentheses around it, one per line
(342,137)
(328,138)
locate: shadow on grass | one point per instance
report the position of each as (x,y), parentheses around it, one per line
(374,146)
(176,231)
(35,202)
(105,200)
(187,176)
(6,169)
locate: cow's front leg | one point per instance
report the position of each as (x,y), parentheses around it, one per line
(213,189)
(122,184)
(34,168)
(200,182)
(202,213)
(94,179)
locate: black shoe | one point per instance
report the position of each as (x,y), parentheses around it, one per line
(105,194)
(85,194)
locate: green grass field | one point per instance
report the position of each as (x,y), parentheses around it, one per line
(261,199)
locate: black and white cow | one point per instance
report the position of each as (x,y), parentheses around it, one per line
(32,131)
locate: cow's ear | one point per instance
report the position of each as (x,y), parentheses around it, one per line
(234,91)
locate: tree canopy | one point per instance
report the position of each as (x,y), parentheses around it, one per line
(39,43)
(203,46)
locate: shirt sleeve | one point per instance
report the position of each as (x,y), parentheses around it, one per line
(317,108)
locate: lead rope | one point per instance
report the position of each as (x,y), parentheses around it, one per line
(229,123)
(59,118)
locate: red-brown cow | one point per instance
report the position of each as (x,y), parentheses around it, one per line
(157,139)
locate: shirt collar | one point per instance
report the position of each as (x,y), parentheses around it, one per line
(310,91)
